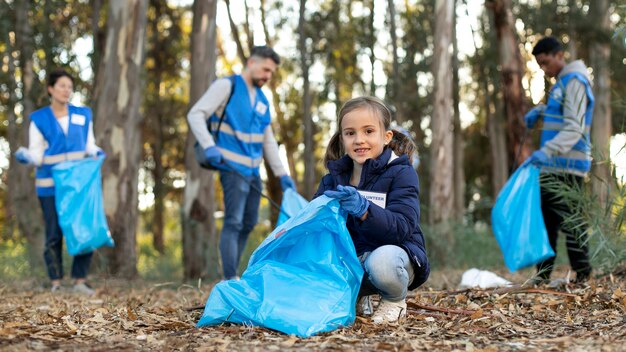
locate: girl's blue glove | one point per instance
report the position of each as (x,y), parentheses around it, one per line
(350,200)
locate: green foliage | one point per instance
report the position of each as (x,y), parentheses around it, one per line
(474,246)
(603,225)
(14,261)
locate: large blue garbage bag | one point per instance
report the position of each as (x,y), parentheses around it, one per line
(78,199)
(517,220)
(291,205)
(303,279)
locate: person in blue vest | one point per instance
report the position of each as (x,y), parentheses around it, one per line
(371,173)
(241,134)
(58,132)
(565,152)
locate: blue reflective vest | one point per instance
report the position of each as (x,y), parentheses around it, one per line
(240,136)
(61,147)
(578,160)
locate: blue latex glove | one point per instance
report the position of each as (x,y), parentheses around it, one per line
(538,158)
(22,156)
(213,156)
(533,115)
(350,200)
(97,154)
(286,182)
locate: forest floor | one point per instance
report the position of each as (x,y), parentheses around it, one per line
(156,317)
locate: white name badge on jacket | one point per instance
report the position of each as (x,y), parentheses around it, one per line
(260,108)
(78,119)
(377,198)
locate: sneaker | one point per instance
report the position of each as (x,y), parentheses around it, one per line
(538,281)
(84,289)
(582,277)
(56,289)
(364,306)
(389,311)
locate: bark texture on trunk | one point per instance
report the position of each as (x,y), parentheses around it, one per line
(200,240)
(117,127)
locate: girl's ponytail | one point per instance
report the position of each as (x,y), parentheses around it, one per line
(402,144)
(334,150)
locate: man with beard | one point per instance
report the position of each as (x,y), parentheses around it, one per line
(239,134)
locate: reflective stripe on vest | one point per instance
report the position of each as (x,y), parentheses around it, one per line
(57,158)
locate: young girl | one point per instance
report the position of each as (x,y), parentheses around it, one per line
(371,175)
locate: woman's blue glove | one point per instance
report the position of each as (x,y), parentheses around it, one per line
(350,200)
(533,115)
(98,153)
(286,182)
(538,157)
(22,156)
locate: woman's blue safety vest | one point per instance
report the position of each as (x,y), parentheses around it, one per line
(577,160)
(61,147)
(240,136)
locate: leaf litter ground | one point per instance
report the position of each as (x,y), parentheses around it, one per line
(143,316)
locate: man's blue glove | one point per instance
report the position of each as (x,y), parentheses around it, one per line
(286,182)
(538,158)
(22,156)
(350,200)
(213,156)
(533,115)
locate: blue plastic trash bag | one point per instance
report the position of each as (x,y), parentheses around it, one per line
(517,220)
(78,198)
(303,279)
(291,205)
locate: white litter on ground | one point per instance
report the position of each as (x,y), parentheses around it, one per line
(482,278)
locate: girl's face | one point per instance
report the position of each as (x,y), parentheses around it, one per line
(61,90)
(363,135)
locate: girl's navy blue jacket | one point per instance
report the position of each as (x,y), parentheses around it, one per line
(396,224)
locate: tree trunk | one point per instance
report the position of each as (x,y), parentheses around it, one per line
(309,147)
(119,90)
(495,128)
(371,43)
(572,31)
(599,54)
(395,76)
(200,240)
(512,71)
(21,184)
(282,135)
(99,39)
(154,124)
(235,33)
(459,144)
(441,147)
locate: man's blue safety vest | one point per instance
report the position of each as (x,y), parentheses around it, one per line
(241,133)
(578,160)
(61,147)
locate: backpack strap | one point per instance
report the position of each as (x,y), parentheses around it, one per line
(215,133)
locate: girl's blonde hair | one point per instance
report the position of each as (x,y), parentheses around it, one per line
(400,143)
